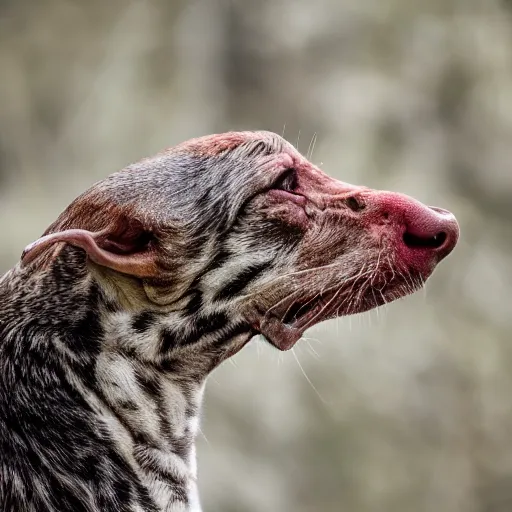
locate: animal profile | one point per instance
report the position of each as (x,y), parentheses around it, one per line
(111,322)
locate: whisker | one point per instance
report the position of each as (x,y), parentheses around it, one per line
(287,297)
(377,265)
(322,291)
(298,292)
(291,274)
(203,435)
(333,299)
(313,146)
(307,378)
(310,147)
(349,294)
(324,308)
(302,307)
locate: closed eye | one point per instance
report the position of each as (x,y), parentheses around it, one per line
(287,181)
(287,188)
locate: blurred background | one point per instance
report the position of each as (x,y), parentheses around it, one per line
(408,408)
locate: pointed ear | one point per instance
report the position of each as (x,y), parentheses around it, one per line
(129,250)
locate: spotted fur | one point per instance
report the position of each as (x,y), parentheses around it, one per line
(110,323)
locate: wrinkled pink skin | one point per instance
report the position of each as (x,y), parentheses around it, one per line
(390,209)
(384,213)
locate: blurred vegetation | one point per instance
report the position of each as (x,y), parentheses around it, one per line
(404,409)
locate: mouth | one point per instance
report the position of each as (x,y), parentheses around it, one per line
(284,326)
(301,314)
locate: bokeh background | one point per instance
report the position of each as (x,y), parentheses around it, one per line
(408,408)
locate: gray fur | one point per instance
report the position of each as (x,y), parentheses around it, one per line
(102,373)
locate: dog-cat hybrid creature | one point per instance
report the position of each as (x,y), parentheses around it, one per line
(111,322)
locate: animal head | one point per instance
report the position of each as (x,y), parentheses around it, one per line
(242,222)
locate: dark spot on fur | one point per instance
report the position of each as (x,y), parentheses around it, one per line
(171,365)
(85,336)
(143,321)
(218,261)
(205,325)
(153,388)
(145,499)
(168,340)
(181,447)
(143,456)
(149,385)
(241,281)
(195,302)
(110,306)
(127,405)
(191,411)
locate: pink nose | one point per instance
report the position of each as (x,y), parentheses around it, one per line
(431,228)
(422,235)
(422,231)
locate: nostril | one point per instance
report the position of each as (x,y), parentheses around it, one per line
(355,204)
(439,239)
(427,242)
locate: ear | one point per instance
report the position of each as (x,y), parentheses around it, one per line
(129,250)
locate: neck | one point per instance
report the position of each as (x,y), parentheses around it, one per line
(141,373)
(153,416)
(151,374)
